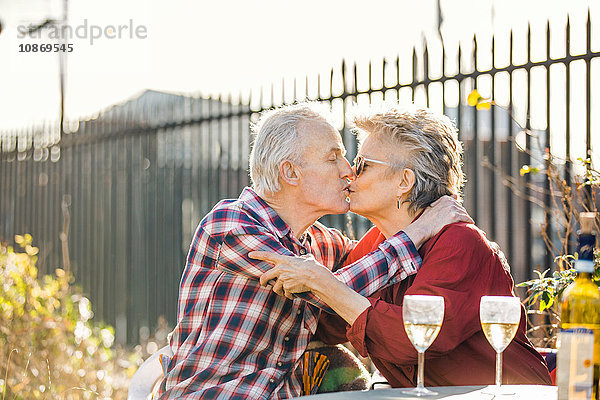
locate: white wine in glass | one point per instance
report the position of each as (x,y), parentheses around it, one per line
(499,334)
(423,317)
(422,335)
(500,316)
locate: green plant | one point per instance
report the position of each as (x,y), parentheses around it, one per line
(546,290)
(49,345)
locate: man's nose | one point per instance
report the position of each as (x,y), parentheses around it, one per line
(347,170)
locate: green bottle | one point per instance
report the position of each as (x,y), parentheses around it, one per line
(578,359)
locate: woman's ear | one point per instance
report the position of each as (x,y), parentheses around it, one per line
(407,182)
(289,173)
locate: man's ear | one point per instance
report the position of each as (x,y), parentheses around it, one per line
(289,173)
(407,181)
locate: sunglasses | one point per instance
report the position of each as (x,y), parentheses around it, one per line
(359,164)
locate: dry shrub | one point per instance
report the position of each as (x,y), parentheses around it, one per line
(50,347)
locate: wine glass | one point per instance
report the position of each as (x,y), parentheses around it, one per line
(423,317)
(500,317)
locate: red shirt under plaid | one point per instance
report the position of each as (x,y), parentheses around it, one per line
(238,339)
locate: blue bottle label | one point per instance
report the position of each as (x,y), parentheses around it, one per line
(585,253)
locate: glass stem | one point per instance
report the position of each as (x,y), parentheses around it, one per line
(421,373)
(498,369)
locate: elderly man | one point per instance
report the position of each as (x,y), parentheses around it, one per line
(406,161)
(237,339)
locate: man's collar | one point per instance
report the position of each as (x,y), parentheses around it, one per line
(257,205)
(306,239)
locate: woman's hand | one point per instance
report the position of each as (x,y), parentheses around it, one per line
(301,274)
(291,274)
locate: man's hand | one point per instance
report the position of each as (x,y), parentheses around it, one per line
(291,274)
(445,210)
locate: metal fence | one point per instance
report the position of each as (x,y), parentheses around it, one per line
(117,198)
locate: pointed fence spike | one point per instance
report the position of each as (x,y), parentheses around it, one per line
(319,86)
(474,55)
(588,32)
(511,47)
(383,65)
(355,77)
(295,91)
(331,83)
(548,40)
(261,96)
(344,75)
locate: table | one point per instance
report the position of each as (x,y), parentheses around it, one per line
(522,392)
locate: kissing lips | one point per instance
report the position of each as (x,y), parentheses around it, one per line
(348,193)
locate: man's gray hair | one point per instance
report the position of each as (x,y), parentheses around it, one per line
(276,140)
(429,142)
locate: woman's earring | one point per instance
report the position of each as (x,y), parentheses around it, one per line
(398,202)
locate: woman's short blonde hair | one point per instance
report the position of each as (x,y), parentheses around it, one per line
(429,145)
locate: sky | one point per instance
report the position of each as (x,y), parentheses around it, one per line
(221,47)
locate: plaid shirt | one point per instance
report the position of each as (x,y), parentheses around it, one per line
(237,339)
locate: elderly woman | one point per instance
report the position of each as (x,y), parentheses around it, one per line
(406,161)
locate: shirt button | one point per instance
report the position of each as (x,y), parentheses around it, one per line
(287,338)
(279,364)
(299,312)
(272,380)
(302,251)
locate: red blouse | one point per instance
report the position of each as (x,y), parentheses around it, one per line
(461,265)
